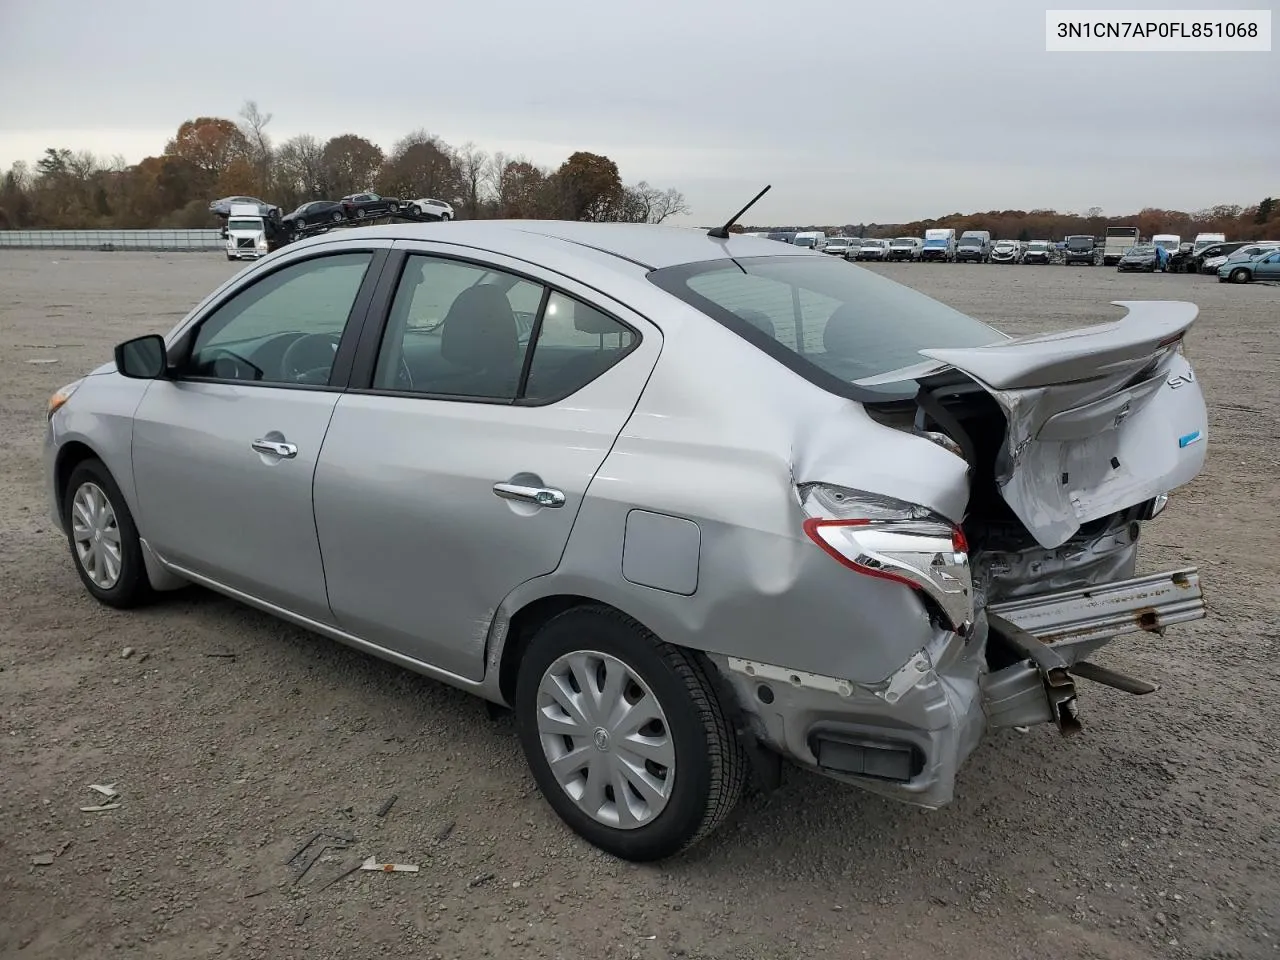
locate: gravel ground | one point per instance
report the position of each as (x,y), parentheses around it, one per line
(233,738)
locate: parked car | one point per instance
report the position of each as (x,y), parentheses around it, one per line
(1006,251)
(873,249)
(1142,256)
(904,248)
(271,447)
(855,244)
(1263,266)
(313,213)
(837,246)
(357,206)
(1038,251)
(427,207)
(1081,249)
(975,246)
(1243,253)
(222,208)
(1199,259)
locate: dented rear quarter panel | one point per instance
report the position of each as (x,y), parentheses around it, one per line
(721,436)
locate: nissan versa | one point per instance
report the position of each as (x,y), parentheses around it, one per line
(687,503)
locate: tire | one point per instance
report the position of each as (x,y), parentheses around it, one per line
(393,208)
(360,213)
(445,218)
(130,587)
(1240,275)
(708,767)
(338,216)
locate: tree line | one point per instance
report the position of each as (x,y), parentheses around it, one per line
(1258,222)
(212,157)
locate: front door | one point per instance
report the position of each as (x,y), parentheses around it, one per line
(456,473)
(224,451)
(1268,269)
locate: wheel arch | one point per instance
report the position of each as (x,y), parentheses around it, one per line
(70,455)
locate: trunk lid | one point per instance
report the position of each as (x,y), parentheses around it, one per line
(1099,419)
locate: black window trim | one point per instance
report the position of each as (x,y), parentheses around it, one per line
(357,318)
(674,278)
(378,318)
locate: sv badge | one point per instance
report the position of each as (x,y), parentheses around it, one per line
(1181,379)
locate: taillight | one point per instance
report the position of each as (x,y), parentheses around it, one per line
(900,542)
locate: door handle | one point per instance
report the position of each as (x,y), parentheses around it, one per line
(540,496)
(286,451)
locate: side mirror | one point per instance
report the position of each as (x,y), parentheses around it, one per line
(142,358)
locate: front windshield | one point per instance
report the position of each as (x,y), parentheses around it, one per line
(805,241)
(1037,245)
(831,324)
(1079,243)
(970,241)
(1141,250)
(875,244)
(244,224)
(1005,244)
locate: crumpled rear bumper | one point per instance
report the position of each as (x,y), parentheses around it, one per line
(907,737)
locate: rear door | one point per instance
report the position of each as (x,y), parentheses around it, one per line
(454,467)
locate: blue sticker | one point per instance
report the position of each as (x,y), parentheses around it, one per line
(1188,439)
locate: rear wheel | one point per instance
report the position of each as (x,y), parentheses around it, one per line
(625,735)
(360,213)
(393,208)
(445,218)
(103,539)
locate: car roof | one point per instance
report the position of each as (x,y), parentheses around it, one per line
(646,245)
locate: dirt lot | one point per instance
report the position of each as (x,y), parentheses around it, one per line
(1154,833)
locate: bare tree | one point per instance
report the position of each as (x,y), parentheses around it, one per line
(472,165)
(254,127)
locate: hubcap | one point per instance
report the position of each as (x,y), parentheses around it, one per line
(606,738)
(96,535)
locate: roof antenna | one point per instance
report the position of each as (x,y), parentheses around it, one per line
(722,233)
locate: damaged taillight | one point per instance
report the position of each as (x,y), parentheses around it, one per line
(896,541)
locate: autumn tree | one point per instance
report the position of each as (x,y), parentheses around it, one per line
(588,187)
(350,164)
(1265,209)
(520,190)
(420,165)
(210,144)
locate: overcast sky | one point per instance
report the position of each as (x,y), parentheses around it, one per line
(854,111)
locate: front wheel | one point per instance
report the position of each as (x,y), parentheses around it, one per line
(445,218)
(103,538)
(625,735)
(1240,275)
(337,216)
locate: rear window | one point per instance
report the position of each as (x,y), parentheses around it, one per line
(830,323)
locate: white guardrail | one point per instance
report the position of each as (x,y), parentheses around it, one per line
(111,239)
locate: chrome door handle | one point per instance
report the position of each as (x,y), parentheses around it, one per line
(276,448)
(540,496)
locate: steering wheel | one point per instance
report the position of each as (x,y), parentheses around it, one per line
(309,359)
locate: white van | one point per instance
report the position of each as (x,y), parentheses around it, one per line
(813,239)
(1207,240)
(1169,241)
(974,245)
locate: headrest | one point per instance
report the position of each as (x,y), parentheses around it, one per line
(760,320)
(844,333)
(479,331)
(590,320)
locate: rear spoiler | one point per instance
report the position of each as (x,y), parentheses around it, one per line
(1074,355)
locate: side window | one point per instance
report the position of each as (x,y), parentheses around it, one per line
(576,344)
(457,329)
(283,329)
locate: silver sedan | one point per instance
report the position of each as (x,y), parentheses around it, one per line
(689,505)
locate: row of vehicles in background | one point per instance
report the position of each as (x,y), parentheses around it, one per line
(253,228)
(1122,247)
